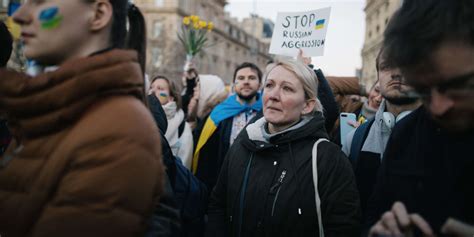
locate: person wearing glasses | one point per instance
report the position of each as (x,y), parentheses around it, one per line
(425,184)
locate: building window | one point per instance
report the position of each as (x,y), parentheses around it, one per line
(159,3)
(370,34)
(156,58)
(157,29)
(377,29)
(386,21)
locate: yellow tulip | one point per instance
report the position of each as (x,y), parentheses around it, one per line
(202,24)
(195,19)
(186,21)
(196,26)
(210,26)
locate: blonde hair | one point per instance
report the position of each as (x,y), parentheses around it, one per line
(305,75)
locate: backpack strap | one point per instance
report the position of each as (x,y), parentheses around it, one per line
(314,163)
(181,128)
(358,140)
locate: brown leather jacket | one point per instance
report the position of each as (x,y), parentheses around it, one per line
(86,158)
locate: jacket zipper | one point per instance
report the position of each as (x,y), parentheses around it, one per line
(278,185)
(242,196)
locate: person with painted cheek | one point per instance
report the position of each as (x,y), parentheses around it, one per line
(82,161)
(266,186)
(178,132)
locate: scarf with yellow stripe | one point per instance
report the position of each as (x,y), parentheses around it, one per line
(229,108)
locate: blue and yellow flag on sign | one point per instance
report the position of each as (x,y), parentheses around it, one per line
(229,108)
(14,28)
(319,24)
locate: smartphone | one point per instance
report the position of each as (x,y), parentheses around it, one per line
(346,128)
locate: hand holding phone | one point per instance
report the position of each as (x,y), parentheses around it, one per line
(347,121)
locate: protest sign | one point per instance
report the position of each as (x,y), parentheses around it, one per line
(305,30)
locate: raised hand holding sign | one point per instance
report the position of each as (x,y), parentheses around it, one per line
(300,30)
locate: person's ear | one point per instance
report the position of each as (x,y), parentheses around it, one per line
(308,106)
(102,15)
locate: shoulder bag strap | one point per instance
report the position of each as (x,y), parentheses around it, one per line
(315,181)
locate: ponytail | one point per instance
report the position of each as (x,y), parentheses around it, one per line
(135,38)
(137,34)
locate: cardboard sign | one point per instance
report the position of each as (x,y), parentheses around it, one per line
(305,30)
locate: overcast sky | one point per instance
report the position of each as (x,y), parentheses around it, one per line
(345,35)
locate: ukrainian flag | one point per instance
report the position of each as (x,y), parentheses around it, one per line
(229,108)
(319,24)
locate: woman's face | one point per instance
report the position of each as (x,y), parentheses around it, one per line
(284,99)
(161,88)
(55,30)
(375,98)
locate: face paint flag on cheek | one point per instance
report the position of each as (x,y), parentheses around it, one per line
(164,95)
(49,18)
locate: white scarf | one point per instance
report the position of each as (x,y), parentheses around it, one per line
(175,117)
(181,147)
(170,110)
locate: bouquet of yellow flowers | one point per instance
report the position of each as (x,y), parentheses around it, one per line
(193,34)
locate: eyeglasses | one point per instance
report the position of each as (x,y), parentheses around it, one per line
(456,87)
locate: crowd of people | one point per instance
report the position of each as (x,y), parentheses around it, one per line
(91,146)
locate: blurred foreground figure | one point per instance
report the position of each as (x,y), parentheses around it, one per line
(428,163)
(83,161)
(5,52)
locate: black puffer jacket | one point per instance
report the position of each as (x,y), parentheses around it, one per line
(273,192)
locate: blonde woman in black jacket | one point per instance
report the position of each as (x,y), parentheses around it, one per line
(265,187)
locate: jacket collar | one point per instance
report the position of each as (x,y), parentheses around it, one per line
(54,100)
(307,128)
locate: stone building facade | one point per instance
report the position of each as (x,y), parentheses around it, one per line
(231,44)
(378,13)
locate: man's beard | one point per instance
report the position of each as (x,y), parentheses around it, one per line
(247,98)
(404,98)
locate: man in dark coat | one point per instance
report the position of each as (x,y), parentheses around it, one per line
(225,122)
(428,163)
(5,52)
(365,145)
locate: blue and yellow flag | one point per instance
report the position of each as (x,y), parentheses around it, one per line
(229,108)
(319,24)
